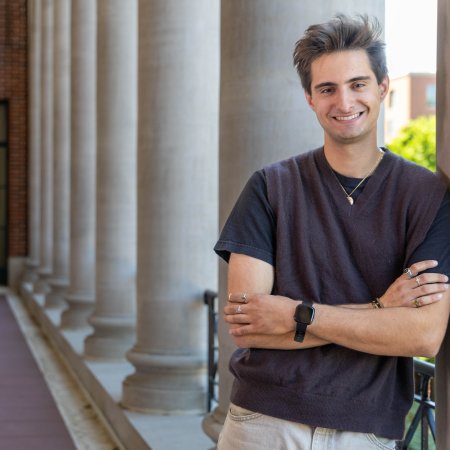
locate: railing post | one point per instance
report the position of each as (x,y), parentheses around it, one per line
(424,413)
(210,300)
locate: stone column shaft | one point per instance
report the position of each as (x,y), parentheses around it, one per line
(443,162)
(114,316)
(81,292)
(61,154)
(34,141)
(263,114)
(177,199)
(46,175)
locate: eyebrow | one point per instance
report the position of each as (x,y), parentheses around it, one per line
(331,84)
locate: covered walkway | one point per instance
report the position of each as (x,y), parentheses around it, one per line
(42,406)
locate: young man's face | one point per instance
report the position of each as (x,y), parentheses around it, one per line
(346,96)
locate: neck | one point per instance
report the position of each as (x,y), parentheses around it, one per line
(350,160)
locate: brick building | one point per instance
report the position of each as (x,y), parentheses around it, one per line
(410,96)
(13,134)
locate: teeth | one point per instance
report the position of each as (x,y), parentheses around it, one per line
(354,116)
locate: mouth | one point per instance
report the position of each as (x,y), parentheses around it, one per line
(348,118)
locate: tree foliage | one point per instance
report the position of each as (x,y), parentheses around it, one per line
(417,142)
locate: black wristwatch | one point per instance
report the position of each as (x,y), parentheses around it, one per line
(304,315)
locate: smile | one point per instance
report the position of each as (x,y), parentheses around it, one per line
(344,118)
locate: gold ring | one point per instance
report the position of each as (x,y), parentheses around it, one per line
(229,297)
(238,309)
(416,302)
(417,281)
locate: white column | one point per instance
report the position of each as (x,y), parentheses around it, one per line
(59,279)
(81,293)
(263,114)
(34,139)
(443,161)
(114,316)
(46,173)
(177,201)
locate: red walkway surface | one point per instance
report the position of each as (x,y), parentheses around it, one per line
(29,418)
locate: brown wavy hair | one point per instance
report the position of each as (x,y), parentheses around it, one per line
(339,34)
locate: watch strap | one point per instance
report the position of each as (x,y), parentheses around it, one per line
(300,327)
(300,331)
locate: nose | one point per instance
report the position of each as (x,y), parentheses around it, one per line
(344,101)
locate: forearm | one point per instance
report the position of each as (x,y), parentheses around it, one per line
(278,342)
(401,328)
(396,331)
(388,331)
(286,341)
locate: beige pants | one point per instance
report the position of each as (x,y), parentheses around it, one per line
(247,430)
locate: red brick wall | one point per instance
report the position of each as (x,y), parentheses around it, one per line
(13,87)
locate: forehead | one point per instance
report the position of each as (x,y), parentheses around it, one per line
(339,67)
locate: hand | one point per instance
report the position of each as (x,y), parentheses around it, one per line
(418,290)
(259,314)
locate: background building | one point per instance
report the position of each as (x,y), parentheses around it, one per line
(410,96)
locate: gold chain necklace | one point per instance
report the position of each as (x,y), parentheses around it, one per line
(349,195)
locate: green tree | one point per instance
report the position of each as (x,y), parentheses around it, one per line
(417,142)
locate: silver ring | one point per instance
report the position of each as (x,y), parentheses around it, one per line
(239,309)
(229,297)
(408,272)
(417,281)
(244,297)
(417,302)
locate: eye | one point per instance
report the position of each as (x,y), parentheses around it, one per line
(327,90)
(359,85)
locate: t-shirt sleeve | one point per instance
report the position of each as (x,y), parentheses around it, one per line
(436,244)
(250,228)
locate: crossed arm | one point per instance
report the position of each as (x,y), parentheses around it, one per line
(399,329)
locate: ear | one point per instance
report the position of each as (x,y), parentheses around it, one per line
(309,100)
(384,87)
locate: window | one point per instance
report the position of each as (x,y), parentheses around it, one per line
(430,95)
(391,99)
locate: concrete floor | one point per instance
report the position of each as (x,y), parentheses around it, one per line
(84,423)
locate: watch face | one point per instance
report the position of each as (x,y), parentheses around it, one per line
(304,313)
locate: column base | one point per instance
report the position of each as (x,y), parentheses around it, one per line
(165,384)
(41,286)
(29,273)
(112,337)
(55,297)
(212,423)
(80,307)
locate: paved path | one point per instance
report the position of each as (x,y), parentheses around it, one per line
(29,418)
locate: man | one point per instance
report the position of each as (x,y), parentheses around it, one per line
(331,256)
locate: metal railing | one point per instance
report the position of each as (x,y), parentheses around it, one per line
(211,301)
(423,370)
(424,415)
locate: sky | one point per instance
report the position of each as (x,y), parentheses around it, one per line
(410,35)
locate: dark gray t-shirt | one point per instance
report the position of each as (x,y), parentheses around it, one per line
(294,215)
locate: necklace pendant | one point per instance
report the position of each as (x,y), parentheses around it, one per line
(350,199)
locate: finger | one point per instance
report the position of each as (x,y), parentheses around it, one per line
(426,278)
(236,319)
(234,308)
(241,297)
(420,266)
(428,289)
(240,331)
(426,300)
